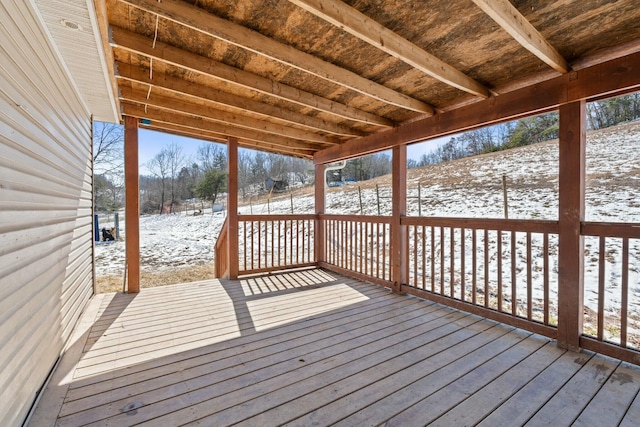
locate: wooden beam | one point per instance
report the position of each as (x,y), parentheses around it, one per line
(399,255)
(198,123)
(177,57)
(361,26)
(232,207)
(512,21)
(197,19)
(571,178)
(158,126)
(320,188)
(615,77)
(132,204)
(223,117)
(216,96)
(212,137)
(610,54)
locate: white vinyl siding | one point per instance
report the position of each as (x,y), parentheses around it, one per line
(46,267)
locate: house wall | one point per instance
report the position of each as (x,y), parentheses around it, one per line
(46,269)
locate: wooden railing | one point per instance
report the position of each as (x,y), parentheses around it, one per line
(275,242)
(611,294)
(505,270)
(359,245)
(501,269)
(221,253)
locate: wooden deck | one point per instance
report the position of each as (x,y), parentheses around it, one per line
(312,348)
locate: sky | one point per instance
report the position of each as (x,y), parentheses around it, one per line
(151,143)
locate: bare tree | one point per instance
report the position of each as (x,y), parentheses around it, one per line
(108,155)
(159,166)
(300,168)
(212,156)
(245,162)
(175,160)
(108,160)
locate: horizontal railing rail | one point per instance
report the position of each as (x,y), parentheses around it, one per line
(612,306)
(275,242)
(534,226)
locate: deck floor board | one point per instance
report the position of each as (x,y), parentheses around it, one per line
(315,348)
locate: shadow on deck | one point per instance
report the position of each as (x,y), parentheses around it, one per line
(313,348)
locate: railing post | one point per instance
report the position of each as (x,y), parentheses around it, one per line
(319,203)
(571,213)
(232,206)
(399,252)
(132,204)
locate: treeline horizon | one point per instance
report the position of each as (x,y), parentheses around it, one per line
(529,130)
(174,178)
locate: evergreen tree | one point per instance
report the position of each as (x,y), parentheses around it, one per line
(211,184)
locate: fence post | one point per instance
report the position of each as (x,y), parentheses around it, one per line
(504,196)
(360,197)
(419,200)
(378,198)
(116,219)
(96,228)
(571,179)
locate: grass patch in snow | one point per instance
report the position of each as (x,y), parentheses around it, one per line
(107,284)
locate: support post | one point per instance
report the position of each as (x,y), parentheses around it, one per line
(232,206)
(132,203)
(571,214)
(319,204)
(398,210)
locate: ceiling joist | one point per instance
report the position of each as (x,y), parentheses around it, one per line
(361,26)
(275,73)
(199,20)
(512,21)
(144,46)
(537,98)
(156,125)
(212,137)
(238,103)
(271,130)
(167,116)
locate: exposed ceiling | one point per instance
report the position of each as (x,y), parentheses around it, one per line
(299,76)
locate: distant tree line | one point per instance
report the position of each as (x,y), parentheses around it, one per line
(530,130)
(362,168)
(174,178)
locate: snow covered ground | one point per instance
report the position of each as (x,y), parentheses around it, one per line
(166,242)
(469,187)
